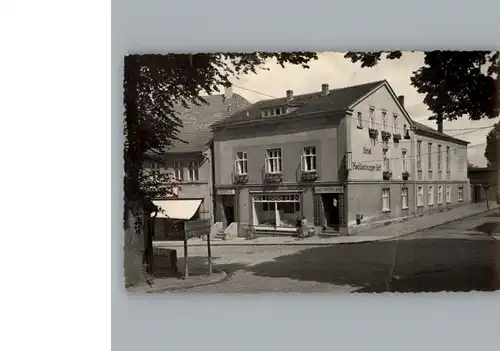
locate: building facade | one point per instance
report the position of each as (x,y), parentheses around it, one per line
(483,182)
(341,158)
(190,161)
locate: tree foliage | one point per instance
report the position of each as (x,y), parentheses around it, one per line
(455,83)
(491,150)
(154,86)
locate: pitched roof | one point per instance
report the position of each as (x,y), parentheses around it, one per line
(197,120)
(426,129)
(337,99)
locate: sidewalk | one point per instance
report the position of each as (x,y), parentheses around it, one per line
(386,232)
(178,283)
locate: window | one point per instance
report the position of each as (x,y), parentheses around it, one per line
(385,157)
(429,157)
(395,123)
(384,121)
(277,111)
(276,210)
(420,196)
(460,193)
(439,158)
(372,118)
(241,163)
(360,119)
(386,203)
(178,170)
(273,161)
(404,160)
(419,155)
(440,195)
(155,168)
(309,159)
(404,198)
(405,130)
(193,171)
(430,196)
(448,194)
(448,159)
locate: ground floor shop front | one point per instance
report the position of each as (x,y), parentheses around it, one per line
(332,209)
(276,210)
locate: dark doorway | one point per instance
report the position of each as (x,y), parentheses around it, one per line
(476,194)
(331,205)
(229,213)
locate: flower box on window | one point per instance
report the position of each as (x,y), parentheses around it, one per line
(273,177)
(385,135)
(406,175)
(396,137)
(373,133)
(240,178)
(309,175)
(387,175)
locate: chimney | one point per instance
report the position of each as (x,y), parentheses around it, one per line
(439,122)
(324,89)
(228,93)
(289,95)
(401,99)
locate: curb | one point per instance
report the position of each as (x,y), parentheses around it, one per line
(225,277)
(294,243)
(437,225)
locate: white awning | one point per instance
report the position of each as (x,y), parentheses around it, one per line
(177,208)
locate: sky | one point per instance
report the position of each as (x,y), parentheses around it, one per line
(336,71)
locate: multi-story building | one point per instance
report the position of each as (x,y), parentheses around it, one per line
(190,160)
(342,158)
(440,170)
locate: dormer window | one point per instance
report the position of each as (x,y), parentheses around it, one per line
(275,111)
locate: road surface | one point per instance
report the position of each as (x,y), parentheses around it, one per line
(461,256)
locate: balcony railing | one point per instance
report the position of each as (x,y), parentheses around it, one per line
(273,177)
(309,175)
(240,178)
(406,175)
(387,175)
(373,133)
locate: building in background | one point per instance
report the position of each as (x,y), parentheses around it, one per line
(343,158)
(483,182)
(191,162)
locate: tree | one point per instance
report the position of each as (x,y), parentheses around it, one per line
(455,83)
(154,86)
(491,150)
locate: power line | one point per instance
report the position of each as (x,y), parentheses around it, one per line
(368,121)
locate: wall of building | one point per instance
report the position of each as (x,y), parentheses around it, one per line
(194,189)
(367,151)
(458,160)
(291,137)
(366,199)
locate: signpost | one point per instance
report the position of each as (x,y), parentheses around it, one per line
(194,228)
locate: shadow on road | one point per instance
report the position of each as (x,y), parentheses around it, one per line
(414,265)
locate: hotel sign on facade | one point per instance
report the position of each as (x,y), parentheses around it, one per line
(360,166)
(226,192)
(329,189)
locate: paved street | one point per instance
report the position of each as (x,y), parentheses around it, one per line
(460,256)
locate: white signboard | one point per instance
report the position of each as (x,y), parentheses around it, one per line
(226,192)
(329,189)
